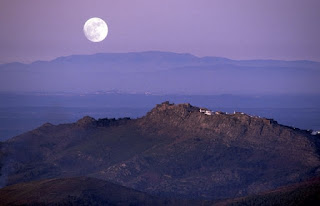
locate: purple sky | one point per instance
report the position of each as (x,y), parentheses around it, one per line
(239,29)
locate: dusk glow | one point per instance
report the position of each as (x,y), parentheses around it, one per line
(236,29)
(167,102)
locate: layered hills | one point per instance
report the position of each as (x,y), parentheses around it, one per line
(162,72)
(174,151)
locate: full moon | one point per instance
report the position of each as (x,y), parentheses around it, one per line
(95,29)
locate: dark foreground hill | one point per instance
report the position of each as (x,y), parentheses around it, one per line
(90,191)
(301,194)
(174,151)
(80,191)
(72,191)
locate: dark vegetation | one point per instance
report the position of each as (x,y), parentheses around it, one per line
(174,151)
(305,193)
(91,191)
(80,191)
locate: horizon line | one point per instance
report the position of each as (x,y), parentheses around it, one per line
(157,51)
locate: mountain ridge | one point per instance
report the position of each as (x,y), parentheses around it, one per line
(159,72)
(205,58)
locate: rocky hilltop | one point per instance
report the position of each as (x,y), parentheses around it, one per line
(173,151)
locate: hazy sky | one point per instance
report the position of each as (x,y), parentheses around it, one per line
(239,29)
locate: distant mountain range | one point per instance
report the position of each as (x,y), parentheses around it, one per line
(173,152)
(162,73)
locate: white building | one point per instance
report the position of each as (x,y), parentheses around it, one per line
(208,112)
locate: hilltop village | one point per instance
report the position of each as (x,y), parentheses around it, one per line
(209,112)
